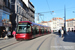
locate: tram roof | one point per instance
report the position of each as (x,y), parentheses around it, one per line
(33,23)
(39,24)
(25,21)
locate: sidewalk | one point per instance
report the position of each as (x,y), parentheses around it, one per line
(70,37)
(5,39)
(67,42)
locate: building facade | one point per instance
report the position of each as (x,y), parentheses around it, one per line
(13,11)
(5,13)
(70,24)
(21,12)
(57,23)
(24,10)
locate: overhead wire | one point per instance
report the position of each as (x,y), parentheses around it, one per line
(56,10)
(48,4)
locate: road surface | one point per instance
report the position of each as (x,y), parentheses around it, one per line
(46,42)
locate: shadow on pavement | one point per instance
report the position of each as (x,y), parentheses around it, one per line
(1,38)
(70,37)
(56,33)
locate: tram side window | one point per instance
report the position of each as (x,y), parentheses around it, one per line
(43,30)
(33,31)
(50,30)
(36,30)
(46,30)
(28,29)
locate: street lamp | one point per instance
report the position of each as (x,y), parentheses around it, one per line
(64,19)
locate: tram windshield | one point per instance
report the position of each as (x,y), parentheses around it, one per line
(24,28)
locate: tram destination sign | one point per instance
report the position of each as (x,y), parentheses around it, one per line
(22,23)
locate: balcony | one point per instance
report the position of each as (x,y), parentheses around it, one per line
(31,7)
(31,13)
(1,3)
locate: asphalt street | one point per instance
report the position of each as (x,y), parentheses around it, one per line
(46,42)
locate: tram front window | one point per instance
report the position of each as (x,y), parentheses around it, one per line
(23,29)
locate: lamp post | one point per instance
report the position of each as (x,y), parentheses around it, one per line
(64,19)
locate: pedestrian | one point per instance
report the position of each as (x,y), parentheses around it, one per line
(62,32)
(4,34)
(59,32)
(14,32)
(9,34)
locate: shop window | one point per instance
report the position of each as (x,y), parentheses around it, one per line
(5,19)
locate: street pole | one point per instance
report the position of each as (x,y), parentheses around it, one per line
(38,18)
(64,19)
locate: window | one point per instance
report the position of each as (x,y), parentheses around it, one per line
(26,28)
(5,18)
(10,4)
(17,8)
(68,29)
(6,2)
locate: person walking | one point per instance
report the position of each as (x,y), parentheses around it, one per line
(9,34)
(4,34)
(14,32)
(59,32)
(62,32)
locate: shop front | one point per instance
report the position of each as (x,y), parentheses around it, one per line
(5,23)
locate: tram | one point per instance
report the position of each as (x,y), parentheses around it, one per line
(28,30)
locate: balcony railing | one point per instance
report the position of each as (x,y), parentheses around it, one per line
(31,7)
(31,13)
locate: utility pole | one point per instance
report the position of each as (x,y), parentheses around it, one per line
(64,19)
(39,14)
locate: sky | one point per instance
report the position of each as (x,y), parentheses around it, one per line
(54,5)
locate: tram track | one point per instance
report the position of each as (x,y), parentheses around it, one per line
(36,41)
(59,44)
(45,40)
(12,44)
(34,44)
(17,44)
(9,45)
(42,43)
(51,42)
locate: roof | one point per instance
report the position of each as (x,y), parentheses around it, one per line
(44,22)
(69,19)
(32,23)
(57,18)
(25,21)
(50,21)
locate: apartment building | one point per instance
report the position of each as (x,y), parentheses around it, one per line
(56,24)
(24,10)
(70,24)
(44,23)
(13,11)
(5,12)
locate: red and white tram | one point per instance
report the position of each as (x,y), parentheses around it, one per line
(28,30)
